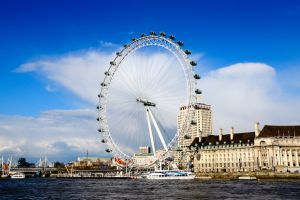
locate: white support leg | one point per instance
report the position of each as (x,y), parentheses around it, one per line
(150,131)
(158,131)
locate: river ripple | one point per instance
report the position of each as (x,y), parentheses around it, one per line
(148,189)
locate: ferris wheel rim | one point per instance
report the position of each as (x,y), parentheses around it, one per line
(144,41)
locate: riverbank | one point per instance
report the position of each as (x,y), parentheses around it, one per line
(258,175)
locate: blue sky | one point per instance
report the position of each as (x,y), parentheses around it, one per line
(223,32)
(227,31)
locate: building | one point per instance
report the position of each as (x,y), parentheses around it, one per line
(92,162)
(144,157)
(274,148)
(201,126)
(145,150)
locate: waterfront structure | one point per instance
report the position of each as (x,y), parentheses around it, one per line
(5,167)
(201,126)
(274,148)
(44,163)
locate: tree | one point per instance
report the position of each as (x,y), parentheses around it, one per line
(22,162)
(59,165)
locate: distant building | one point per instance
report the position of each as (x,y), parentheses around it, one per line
(93,162)
(201,126)
(273,148)
(145,150)
(144,157)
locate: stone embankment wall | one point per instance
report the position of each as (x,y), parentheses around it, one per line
(258,175)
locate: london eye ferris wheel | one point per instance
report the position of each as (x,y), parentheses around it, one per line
(143,88)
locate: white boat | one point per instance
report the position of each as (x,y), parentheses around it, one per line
(4,176)
(247,178)
(168,174)
(18,175)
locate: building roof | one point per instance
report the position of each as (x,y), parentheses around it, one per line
(280,131)
(267,131)
(237,137)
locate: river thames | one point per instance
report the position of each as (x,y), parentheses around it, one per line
(148,189)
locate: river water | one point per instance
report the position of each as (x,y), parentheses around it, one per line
(38,188)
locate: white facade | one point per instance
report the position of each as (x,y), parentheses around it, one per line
(225,158)
(275,148)
(279,152)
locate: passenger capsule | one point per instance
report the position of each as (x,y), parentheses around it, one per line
(169,159)
(196,76)
(107,73)
(100,95)
(193,122)
(108,150)
(187,52)
(98,119)
(193,63)
(103,141)
(119,54)
(112,62)
(197,91)
(178,149)
(143,35)
(162,34)
(98,107)
(103,84)
(187,137)
(172,37)
(125,45)
(100,130)
(133,40)
(180,43)
(153,33)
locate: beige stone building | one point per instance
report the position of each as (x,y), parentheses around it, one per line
(275,148)
(144,157)
(201,126)
(83,162)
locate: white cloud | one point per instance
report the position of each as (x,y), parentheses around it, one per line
(106,44)
(244,93)
(50,88)
(58,134)
(80,73)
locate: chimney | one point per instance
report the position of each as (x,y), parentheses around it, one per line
(257,130)
(231,133)
(220,134)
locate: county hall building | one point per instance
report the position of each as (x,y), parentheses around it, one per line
(274,148)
